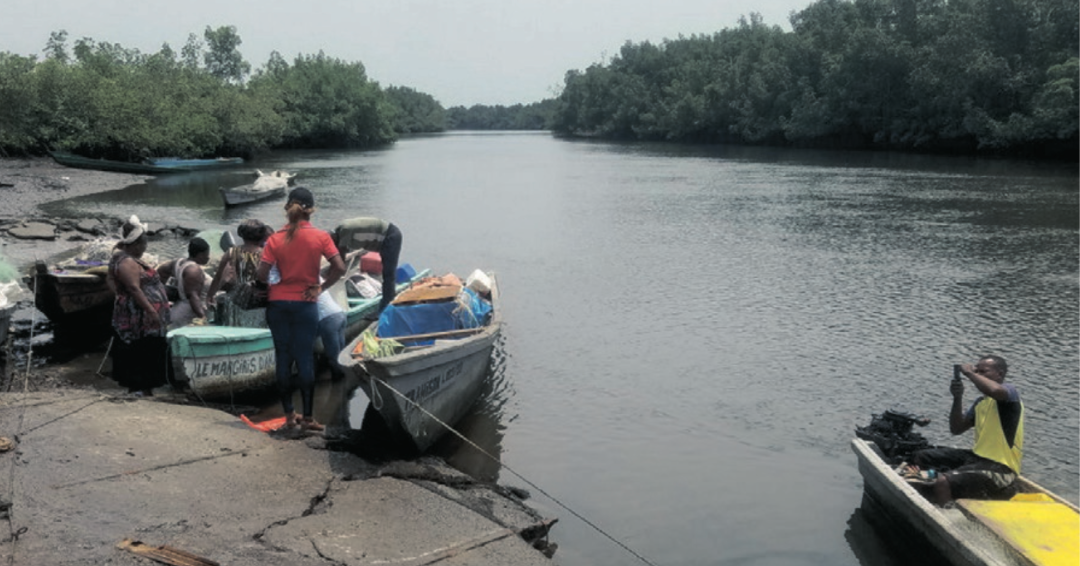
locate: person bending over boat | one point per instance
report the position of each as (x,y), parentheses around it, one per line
(374,235)
(190,283)
(292,313)
(140,314)
(990,469)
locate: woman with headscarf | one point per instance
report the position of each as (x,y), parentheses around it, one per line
(236,268)
(140,314)
(292,313)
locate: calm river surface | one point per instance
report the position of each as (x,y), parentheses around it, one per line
(693,334)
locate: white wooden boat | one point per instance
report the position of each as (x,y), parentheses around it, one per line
(1036,527)
(266,186)
(423,389)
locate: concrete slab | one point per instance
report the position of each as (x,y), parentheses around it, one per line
(90,470)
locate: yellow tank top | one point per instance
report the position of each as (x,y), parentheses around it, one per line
(990,441)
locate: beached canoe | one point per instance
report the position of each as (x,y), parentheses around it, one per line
(218,361)
(73,292)
(422,387)
(76,292)
(151,167)
(1036,527)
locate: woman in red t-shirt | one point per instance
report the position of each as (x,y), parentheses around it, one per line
(292,311)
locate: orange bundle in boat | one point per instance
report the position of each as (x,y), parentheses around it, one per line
(431,290)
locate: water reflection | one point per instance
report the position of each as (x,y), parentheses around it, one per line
(484,426)
(878,538)
(187,199)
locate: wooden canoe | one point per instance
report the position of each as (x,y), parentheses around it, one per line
(976,533)
(265,186)
(66,294)
(151,167)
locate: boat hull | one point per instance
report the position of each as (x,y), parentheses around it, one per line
(154,167)
(196,164)
(237,196)
(952,532)
(63,296)
(218,361)
(444,380)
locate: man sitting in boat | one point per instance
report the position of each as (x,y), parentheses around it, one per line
(190,281)
(990,469)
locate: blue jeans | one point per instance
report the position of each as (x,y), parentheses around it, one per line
(332,332)
(294,324)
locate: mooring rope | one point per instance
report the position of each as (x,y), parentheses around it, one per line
(511,470)
(14,533)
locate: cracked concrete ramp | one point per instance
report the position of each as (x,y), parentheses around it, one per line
(89,471)
(392,521)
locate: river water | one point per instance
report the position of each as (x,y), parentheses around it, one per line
(693,333)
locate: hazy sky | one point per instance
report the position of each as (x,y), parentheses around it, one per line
(462,52)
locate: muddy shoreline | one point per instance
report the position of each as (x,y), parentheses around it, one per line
(28,234)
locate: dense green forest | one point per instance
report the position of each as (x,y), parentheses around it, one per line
(934,75)
(535,116)
(929,75)
(102,100)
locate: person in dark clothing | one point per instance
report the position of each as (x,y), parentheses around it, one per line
(374,235)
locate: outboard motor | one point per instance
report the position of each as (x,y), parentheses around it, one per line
(891,431)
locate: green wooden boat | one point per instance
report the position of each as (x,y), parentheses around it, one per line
(151,167)
(217,361)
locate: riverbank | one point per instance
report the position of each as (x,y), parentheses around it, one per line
(28,234)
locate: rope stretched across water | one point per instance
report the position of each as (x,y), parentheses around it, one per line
(508,468)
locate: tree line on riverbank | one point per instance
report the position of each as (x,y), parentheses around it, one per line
(932,75)
(100,99)
(935,75)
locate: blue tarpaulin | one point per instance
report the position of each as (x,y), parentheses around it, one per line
(426,318)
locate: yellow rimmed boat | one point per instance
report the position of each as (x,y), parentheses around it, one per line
(1034,528)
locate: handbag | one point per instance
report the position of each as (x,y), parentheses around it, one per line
(250,295)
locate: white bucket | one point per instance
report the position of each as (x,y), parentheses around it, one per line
(479,281)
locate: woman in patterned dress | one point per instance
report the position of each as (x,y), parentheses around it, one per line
(140,314)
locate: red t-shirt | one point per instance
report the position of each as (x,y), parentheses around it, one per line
(298,260)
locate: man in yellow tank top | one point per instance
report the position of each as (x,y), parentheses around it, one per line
(989,470)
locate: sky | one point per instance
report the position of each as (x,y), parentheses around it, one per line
(462,52)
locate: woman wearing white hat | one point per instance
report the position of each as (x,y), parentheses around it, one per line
(140,314)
